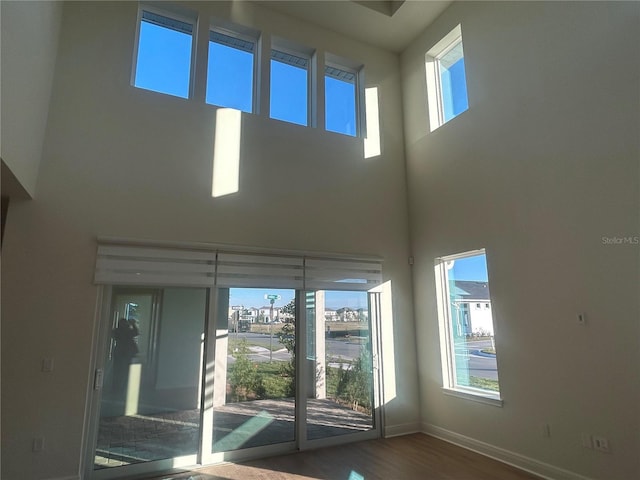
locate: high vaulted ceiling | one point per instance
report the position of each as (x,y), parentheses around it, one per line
(387,24)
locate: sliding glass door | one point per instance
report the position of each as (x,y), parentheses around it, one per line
(149,378)
(190,376)
(253,399)
(338,383)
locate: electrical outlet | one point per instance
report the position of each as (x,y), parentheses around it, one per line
(601,444)
(38,444)
(582,319)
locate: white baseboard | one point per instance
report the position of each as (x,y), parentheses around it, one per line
(401,429)
(517,460)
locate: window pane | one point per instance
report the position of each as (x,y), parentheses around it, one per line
(340,101)
(164,55)
(339,348)
(289,91)
(453,83)
(230,73)
(155,345)
(470,326)
(254,393)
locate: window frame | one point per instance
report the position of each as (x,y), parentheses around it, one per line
(433,73)
(358,101)
(288,48)
(178,14)
(248,35)
(447,349)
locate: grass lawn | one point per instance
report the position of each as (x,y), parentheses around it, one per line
(333,327)
(484,383)
(236,343)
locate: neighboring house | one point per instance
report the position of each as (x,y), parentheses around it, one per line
(250,314)
(471,307)
(264,314)
(330,315)
(346,314)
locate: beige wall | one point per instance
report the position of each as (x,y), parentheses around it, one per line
(29,46)
(121,161)
(540,168)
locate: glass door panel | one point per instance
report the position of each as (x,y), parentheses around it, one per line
(150,402)
(339,364)
(254,381)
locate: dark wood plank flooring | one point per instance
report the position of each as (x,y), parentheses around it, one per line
(408,457)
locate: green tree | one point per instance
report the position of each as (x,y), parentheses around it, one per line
(359,387)
(353,385)
(243,377)
(287,337)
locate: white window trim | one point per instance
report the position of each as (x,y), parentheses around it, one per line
(432,67)
(450,386)
(175,13)
(475,395)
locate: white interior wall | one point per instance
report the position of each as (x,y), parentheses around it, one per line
(121,161)
(542,166)
(29,46)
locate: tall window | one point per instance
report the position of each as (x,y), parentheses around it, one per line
(230,71)
(163,62)
(340,100)
(446,79)
(466,334)
(289,87)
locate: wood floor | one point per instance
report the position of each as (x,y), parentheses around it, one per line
(409,457)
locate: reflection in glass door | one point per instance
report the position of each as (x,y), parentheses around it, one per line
(150,399)
(339,384)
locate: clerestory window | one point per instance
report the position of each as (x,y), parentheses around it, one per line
(164,50)
(290,86)
(340,90)
(230,71)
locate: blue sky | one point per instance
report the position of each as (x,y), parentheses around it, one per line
(164,65)
(164,58)
(470,268)
(230,77)
(340,98)
(454,90)
(288,93)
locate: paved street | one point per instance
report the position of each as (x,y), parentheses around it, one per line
(338,349)
(480,365)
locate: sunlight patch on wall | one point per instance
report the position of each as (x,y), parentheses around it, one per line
(133,389)
(387,342)
(372,140)
(226,152)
